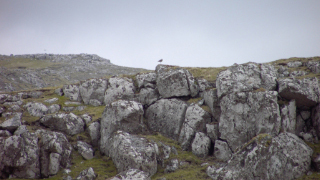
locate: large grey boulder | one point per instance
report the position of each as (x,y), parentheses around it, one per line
(166,116)
(94,132)
(55,151)
(133,152)
(211,99)
(118,88)
(175,82)
(247,114)
(93,90)
(72,92)
(85,150)
(195,121)
(131,174)
(288,117)
(36,109)
(20,153)
(282,157)
(12,123)
(222,151)
(146,80)
(305,91)
(70,123)
(201,145)
(246,77)
(120,115)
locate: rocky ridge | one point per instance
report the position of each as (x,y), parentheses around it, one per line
(257,121)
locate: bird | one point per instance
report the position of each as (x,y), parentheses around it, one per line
(160,60)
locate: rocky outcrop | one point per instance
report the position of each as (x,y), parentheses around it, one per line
(211,99)
(282,157)
(146,80)
(92,91)
(222,150)
(118,88)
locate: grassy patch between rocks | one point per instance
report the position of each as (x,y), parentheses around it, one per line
(210,74)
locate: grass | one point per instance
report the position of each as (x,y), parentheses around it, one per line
(210,73)
(24,63)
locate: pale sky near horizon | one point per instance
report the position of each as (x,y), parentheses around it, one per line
(137,33)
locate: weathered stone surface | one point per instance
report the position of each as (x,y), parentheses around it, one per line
(93,90)
(302,118)
(131,174)
(314,66)
(147,96)
(166,116)
(203,86)
(247,114)
(57,143)
(133,152)
(85,150)
(72,92)
(120,115)
(211,99)
(283,157)
(172,166)
(21,130)
(294,64)
(315,117)
(13,123)
(67,123)
(146,80)
(86,118)
(213,131)
(246,77)
(36,109)
(87,174)
(20,154)
(175,82)
(222,150)
(201,145)
(305,91)
(5,133)
(288,117)
(59,91)
(316,162)
(94,133)
(195,121)
(53,108)
(117,88)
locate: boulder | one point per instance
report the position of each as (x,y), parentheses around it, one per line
(93,90)
(85,150)
(94,133)
(53,108)
(55,152)
(87,174)
(315,117)
(146,80)
(11,124)
(282,157)
(305,91)
(172,166)
(246,77)
(175,82)
(213,131)
(201,145)
(132,152)
(211,99)
(131,174)
(67,123)
(117,88)
(314,66)
(36,109)
(59,91)
(247,114)
(195,121)
(72,92)
(166,116)
(222,151)
(21,129)
(19,156)
(32,94)
(203,86)
(86,118)
(120,115)
(288,117)
(146,96)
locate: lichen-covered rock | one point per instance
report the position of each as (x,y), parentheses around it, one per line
(247,114)
(11,124)
(314,66)
(213,131)
(54,143)
(305,91)
(222,150)
(86,118)
(147,96)
(195,121)
(132,152)
(67,123)
(203,86)
(36,109)
(93,90)
(19,155)
(131,174)
(52,100)
(166,116)
(59,91)
(94,133)
(172,166)
(288,117)
(117,88)
(85,150)
(294,64)
(72,92)
(201,145)
(282,157)
(175,82)
(146,80)
(53,108)
(87,174)
(120,115)
(211,99)
(246,77)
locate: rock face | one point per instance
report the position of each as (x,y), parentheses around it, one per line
(316,119)
(118,88)
(247,114)
(173,82)
(72,92)
(166,116)
(87,174)
(222,150)
(283,157)
(146,80)
(201,145)
(120,115)
(133,152)
(12,123)
(36,109)
(85,150)
(92,91)
(288,117)
(211,99)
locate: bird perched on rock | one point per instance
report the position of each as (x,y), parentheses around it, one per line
(160,60)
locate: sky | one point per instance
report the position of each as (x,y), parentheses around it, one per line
(188,33)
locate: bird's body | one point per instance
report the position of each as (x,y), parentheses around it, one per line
(160,60)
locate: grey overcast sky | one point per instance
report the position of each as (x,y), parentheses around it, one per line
(137,33)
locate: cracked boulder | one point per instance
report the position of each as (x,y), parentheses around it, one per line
(175,82)
(85,150)
(92,91)
(94,133)
(211,99)
(166,116)
(283,157)
(247,114)
(119,88)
